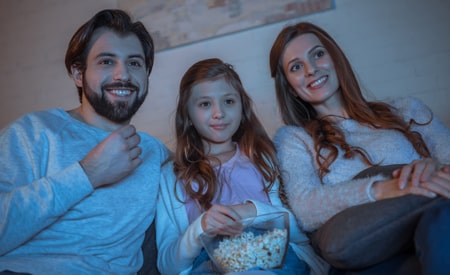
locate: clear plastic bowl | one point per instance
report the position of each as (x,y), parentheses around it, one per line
(262,244)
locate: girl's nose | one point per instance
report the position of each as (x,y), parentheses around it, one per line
(218,113)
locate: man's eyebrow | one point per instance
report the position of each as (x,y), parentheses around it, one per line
(137,56)
(106,54)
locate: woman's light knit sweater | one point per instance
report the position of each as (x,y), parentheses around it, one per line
(314,201)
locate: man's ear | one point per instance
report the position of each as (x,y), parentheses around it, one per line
(77,76)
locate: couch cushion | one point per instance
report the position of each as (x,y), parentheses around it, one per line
(150,253)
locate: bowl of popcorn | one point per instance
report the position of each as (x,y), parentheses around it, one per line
(262,244)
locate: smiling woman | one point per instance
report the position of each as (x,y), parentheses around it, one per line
(332,133)
(310,71)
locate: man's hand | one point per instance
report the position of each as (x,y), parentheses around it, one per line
(114,158)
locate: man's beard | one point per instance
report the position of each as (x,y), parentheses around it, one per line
(118,112)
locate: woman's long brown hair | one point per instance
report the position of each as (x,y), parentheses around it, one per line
(327,137)
(190,160)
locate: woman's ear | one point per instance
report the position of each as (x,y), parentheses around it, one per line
(77,76)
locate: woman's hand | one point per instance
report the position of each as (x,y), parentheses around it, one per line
(439,182)
(427,174)
(223,220)
(388,189)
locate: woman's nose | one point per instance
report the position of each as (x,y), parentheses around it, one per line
(311,69)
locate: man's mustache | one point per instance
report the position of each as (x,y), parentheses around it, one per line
(120,86)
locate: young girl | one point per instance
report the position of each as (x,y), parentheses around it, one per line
(224,169)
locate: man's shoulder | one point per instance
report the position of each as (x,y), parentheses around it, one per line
(48,115)
(38,120)
(151,140)
(152,143)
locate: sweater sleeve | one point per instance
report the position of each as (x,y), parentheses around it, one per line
(30,201)
(312,202)
(178,242)
(434,132)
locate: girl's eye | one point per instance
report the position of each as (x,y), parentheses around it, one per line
(204,104)
(229,101)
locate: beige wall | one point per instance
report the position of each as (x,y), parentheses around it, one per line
(398,47)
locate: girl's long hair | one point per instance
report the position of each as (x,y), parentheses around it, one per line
(190,160)
(326,136)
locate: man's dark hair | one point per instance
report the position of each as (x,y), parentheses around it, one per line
(115,20)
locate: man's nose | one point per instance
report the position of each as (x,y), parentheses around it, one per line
(121,72)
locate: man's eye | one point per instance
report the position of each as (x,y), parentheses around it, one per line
(106,62)
(135,64)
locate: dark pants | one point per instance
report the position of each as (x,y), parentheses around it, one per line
(402,264)
(428,249)
(432,240)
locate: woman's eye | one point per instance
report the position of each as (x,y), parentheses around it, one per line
(296,67)
(319,53)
